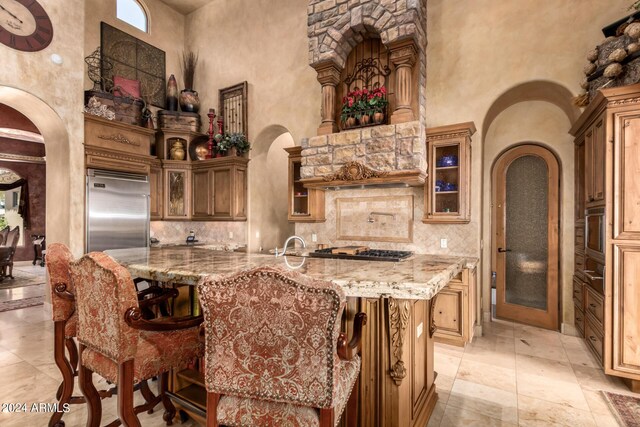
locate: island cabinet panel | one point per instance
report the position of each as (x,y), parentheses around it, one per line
(155,187)
(455,315)
(220,189)
(177,189)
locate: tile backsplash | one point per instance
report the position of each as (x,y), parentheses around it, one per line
(462,239)
(207,232)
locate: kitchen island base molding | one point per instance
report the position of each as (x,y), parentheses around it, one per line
(398,334)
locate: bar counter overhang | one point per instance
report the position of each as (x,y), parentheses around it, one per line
(397,378)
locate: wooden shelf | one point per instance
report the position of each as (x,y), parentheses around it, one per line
(192,376)
(194,394)
(301,195)
(441,168)
(446,192)
(307,207)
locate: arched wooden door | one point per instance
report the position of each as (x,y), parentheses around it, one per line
(525,206)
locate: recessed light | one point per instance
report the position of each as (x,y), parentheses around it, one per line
(56,59)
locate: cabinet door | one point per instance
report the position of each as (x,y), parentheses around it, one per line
(626,308)
(580,196)
(222,193)
(599,156)
(448,312)
(626,189)
(240,194)
(177,193)
(200,180)
(155,186)
(588,171)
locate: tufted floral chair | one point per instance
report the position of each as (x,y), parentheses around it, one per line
(270,359)
(119,344)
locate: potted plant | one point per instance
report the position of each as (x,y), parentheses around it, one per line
(189,101)
(377,102)
(348,108)
(235,144)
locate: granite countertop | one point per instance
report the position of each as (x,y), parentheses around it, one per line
(419,277)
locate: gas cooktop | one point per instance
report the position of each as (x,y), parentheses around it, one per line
(368,255)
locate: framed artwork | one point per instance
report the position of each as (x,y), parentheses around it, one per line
(233,108)
(135,60)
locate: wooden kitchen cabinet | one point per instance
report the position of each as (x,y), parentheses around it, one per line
(177,189)
(156,189)
(219,188)
(305,204)
(447,191)
(454,313)
(594,143)
(610,131)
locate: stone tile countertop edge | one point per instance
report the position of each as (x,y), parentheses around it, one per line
(420,277)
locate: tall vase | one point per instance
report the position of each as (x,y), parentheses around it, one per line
(172,94)
(189,101)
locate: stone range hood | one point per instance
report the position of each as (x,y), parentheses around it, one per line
(373,156)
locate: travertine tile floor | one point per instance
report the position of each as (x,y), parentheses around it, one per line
(513,375)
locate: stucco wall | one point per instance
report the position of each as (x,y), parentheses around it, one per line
(265,43)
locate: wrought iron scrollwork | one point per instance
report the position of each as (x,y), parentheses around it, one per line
(366,71)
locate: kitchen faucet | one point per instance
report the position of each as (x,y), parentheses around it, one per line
(370,217)
(286,243)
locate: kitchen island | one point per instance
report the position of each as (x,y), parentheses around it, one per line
(397,378)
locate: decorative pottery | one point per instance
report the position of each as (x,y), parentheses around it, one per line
(201,152)
(189,101)
(149,123)
(350,122)
(365,119)
(232,152)
(172,94)
(448,161)
(378,117)
(177,151)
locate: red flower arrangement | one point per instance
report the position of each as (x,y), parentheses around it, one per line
(363,103)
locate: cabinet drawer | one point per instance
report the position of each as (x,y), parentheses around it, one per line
(578,293)
(594,306)
(578,319)
(593,337)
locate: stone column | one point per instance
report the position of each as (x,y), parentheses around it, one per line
(403,56)
(329,77)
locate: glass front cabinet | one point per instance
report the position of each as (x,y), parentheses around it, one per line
(447,192)
(305,205)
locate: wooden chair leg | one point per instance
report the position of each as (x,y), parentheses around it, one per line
(352,405)
(212,409)
(73,354)
(125,395)
(66,387)
(169,409)
(92,398)
(148,395)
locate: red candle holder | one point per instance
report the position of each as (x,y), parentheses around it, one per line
(212,116)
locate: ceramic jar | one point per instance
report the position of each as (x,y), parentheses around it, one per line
(172,94)
(177,151)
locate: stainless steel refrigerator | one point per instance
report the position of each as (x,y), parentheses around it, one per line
(117,210)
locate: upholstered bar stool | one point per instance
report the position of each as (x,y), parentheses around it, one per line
(270,359)
(117,343)
(65,321)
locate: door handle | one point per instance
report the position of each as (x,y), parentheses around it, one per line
(503,250)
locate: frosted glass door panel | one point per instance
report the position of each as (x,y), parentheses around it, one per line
(527,232)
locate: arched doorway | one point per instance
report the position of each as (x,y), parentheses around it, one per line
(64,217)
(524,247)
(268,225)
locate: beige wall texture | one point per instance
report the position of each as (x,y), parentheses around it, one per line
(50,96)
(265,43)
(479,50)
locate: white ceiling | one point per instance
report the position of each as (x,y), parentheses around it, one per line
(186,6)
